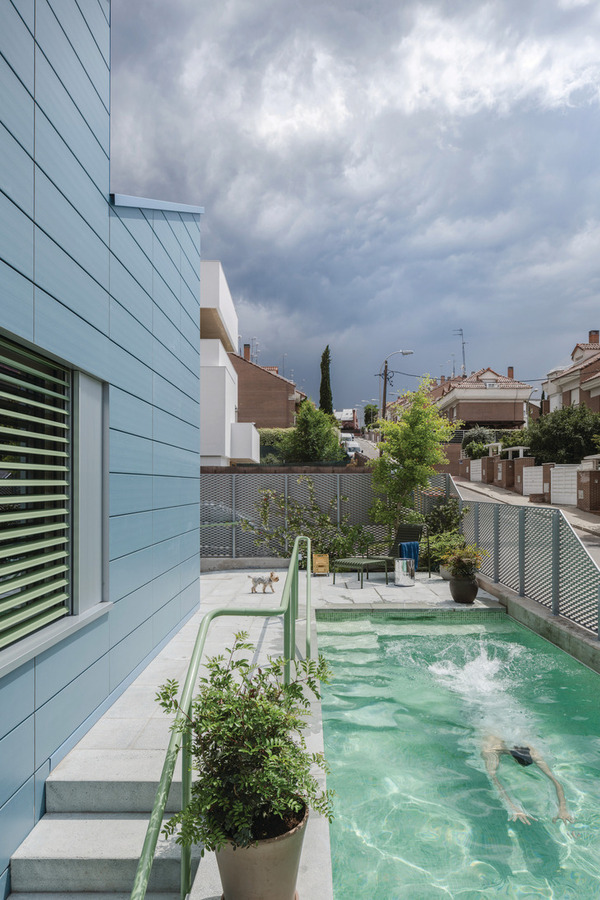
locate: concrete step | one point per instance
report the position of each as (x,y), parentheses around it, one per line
(72,853)
(89,896)
(109,781)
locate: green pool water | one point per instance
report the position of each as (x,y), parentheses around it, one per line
(417,815)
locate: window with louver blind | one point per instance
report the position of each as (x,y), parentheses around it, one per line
(35,467)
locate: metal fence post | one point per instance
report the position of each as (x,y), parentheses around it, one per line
(234,516)
(522,551)
(339,500)
(556,563)
(476,524)
(497,543)
(285,503)
(598,622)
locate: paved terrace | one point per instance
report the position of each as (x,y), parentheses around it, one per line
(124,751)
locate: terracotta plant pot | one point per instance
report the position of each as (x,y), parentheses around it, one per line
(463,590)
(265,871)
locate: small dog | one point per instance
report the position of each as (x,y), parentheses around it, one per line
(265,580)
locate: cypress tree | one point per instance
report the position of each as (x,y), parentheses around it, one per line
(325,396)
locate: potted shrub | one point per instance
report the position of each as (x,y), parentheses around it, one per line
(462,564)
(254,782)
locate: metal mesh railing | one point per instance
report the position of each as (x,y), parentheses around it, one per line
(536,553)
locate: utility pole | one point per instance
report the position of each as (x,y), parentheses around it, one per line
(385,378)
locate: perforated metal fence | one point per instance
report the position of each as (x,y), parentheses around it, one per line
(228,499)
(536,553)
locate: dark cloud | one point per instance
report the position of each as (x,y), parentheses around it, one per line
(376,175)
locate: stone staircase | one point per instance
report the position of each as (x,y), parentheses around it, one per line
(90,840)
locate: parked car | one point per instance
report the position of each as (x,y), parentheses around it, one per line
(352,448)
(346,436)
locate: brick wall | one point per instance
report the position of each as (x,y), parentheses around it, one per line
(488,465)
(502,413)
(263,398)
(504,474)
(588,490)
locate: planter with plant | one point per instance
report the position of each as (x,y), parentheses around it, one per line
(462,564)
(254,773)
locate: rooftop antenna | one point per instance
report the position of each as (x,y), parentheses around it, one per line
(254,351)
(461,334)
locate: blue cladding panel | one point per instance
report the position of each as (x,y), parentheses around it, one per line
(4,884)
(129,252)
(176,520)
(190,597)
(130,454)
(16,237)
(65,224)
(16,107)
(167,555)
(168,429)
(26,9)
(72,75)
(166,618)
(130,533)
(128,413)
(128,573)
(16,698)
(172,460)
(16,45)
(63,169)
(16,821)
(165,587)
(190,572)
(97,15)
(57,720)
(127,614)
(127,331)
(171,491)
(129,293)
(130,494)
(79,35)
(16,759)
(169,398)
(127,654)
(168,334)
(60,331)
(17,302)
(16,172)
(62,664)
(67,119)
(63,278)
(190,543)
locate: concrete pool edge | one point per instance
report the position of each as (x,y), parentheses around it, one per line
(579,643)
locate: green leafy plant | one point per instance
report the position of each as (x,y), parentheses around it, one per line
(479,434)
(463,562)
(438,547)
(445,516)
(254,773)
(410,449)
(314,439)
(476,450)
(279,516)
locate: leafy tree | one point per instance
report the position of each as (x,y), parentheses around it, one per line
(475,450)
(478,435)
(410,449)
(280,516)
(325,396)
(564,436)
(314,439)
(371,414)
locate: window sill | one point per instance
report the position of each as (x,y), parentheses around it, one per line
(23,651)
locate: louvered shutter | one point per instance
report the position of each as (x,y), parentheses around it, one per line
(35,466)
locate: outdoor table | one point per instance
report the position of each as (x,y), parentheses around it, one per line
(360,564)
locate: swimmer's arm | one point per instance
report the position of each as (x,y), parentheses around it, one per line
(563,812)
(492,759)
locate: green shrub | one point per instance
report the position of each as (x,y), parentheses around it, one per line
(476,450)
(479,434)
(439,546)
(446,516)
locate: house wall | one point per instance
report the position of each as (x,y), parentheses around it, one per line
(504,413)
(112,291)
(524,462)
(263,398)
(219,398)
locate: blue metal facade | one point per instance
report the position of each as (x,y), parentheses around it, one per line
(111,290)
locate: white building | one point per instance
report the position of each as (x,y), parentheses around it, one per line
(223,440)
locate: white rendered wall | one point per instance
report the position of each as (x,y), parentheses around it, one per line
(215,294)
(218,400)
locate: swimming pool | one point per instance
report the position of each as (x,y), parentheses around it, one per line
(417,814)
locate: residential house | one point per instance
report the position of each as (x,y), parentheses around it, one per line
(482,398)
(265,397)
(577,383)
(99,405)
(223,439)
(347,420)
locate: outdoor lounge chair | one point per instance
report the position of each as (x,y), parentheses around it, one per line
(404,533)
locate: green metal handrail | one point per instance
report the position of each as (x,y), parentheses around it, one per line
(289,609)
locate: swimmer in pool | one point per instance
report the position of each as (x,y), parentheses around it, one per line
(491,751)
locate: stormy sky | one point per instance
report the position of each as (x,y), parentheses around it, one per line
(377,175)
